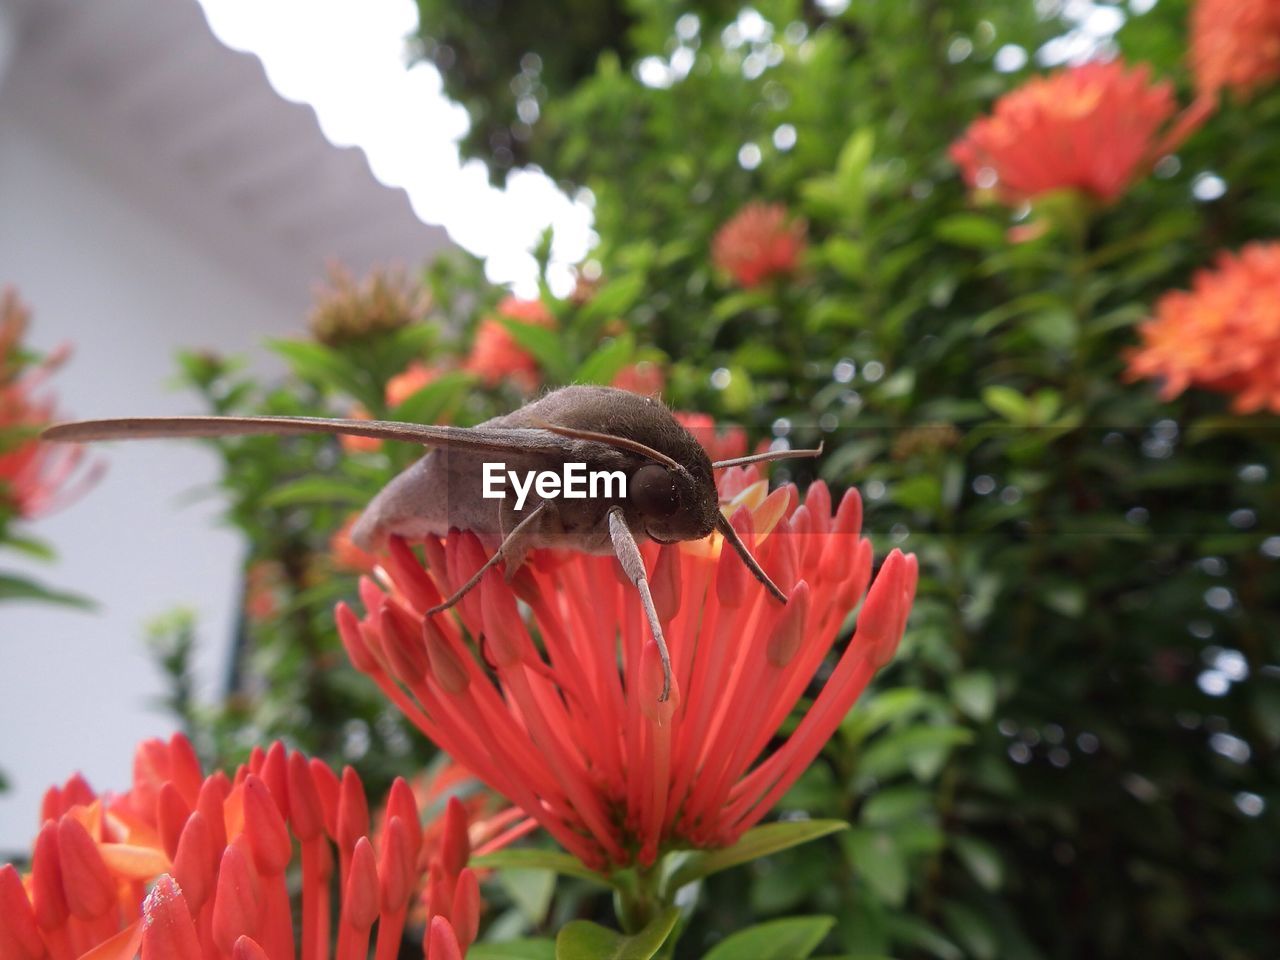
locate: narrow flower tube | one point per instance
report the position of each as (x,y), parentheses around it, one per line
(571,728)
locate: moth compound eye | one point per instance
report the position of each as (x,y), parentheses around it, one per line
(653,490)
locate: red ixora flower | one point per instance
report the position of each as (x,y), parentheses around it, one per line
(1235,45)
(495,356)
(184,866)
(760,241)
(1223,334)
(35,477)
(578,737)
(1094,128)
(644,377)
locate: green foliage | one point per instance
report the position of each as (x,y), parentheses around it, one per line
(1076,752)
(584,940)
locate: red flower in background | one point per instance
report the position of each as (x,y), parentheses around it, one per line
(1093,128)
(760,241)
(35,477)
(218,849)
(721,443)
(578,738)
(1223,335)
(644,378)
(1235,45)
(495,355)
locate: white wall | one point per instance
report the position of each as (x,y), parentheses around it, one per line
(127,290)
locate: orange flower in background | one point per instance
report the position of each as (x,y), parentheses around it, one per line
(495,356)
(1223,335)
(346,555)
(1093,128)
(1235,45)
(359,444)
(35,477)
(262,582)
(759,242)
(409,381)
(571,729)
(218,850)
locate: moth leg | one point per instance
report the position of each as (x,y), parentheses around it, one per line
(513,550)
(508,545)
(730,534)
(628,554)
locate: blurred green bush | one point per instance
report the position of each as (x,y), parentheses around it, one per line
(1076,753)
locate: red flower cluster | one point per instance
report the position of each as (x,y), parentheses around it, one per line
(218,849)
(495,355)
(1223,335)
(644,378)
(578,737)
(1093,128)
(1235,45)
(35,477)
(759,242)
(726,443)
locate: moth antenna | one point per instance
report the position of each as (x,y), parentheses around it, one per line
(628,554)
(731,535)
(768,457)
(621,443)
(498,554)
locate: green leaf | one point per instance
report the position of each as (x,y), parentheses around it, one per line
(432,402)
(848,257)
(921,492)
(36,549)
(739,302)
(880,862)
(317,363)
(584,940)
(975,694)
(531,891)
(545,346)
(613,299)
(791,938)
(885,708)
(921,749)
(523,858)
(13,587)
(896,804)
(972,930)
(1007,402)
(603,365)
(917,933)
(755,843)
(527,948)
(310,490)
(970,230)
(982,861)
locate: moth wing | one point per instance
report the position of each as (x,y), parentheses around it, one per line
(471,438)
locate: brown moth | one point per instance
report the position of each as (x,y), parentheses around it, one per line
(670,491)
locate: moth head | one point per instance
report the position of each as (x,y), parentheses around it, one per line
(671,504)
